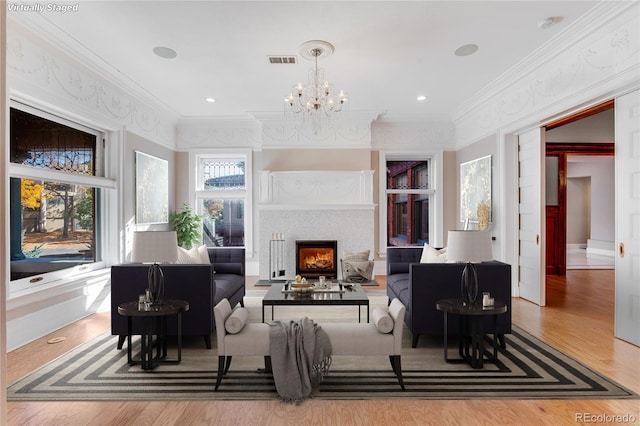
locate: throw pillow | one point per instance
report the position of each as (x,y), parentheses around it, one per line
(190,256)
(431,255)
(360,256)
(382,320)
(236,321)
(204,254)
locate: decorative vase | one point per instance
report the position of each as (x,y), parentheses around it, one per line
(155,279)
(469,284)
(483,216)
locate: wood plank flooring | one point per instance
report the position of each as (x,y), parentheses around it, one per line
(578,320)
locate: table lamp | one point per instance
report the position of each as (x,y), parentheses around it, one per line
(155,247)
(469,247)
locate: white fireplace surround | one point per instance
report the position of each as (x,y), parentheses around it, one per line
(315,205)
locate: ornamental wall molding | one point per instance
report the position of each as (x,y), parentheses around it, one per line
(413,135)
(277,133)
(299,134)
(596,56)
(48,74)
(218,133)
(272,133)
(320,188)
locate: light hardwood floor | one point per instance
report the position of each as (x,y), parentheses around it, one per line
(578,320)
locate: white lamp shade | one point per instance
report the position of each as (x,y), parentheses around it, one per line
(155,246)
(469,246)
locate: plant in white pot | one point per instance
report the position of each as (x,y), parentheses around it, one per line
(187,225)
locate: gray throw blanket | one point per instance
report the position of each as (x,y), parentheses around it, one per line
(300,352)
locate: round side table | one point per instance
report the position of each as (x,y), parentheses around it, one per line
(158,314)
(471,328)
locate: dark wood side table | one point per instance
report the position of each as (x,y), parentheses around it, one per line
(470,347)
(157,314)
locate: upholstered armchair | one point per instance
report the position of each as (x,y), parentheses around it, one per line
(356,266)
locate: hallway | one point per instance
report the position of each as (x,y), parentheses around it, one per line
(579,259)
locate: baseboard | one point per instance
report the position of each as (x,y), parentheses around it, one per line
(602,248)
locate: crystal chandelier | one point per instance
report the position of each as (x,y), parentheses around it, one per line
(317,98)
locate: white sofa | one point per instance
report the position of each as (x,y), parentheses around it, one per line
(355,339)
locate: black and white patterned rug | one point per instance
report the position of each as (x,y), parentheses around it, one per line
(527,369)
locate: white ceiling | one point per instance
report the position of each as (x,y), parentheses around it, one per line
(386,52)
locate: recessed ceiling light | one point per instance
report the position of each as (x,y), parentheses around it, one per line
(210,99)
(165,52)
(421,98)
(466,50)
(549,22)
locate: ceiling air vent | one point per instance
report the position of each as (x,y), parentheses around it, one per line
(282,60)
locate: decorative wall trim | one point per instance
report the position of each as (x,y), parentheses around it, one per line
(597,55)
(218,133)
(347,133)
(51,75)
(335,189)
(399,135)
(272,131)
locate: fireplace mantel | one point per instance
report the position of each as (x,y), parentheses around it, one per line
(317,189)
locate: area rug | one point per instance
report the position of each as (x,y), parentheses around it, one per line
(527,369)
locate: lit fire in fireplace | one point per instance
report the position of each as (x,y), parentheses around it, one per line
(319,260)
(316,258)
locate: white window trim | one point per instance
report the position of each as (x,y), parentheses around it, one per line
(196,185)
(434,191)
(104,165)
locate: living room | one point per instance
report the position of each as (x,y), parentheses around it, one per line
(45,73)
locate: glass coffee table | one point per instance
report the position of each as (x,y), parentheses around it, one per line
(280,294)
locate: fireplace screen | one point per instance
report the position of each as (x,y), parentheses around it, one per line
(316,258)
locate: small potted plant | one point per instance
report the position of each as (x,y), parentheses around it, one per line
(187,226)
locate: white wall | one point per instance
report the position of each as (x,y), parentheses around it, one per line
(601,172)
(578,211)
(596,128)
(484,147)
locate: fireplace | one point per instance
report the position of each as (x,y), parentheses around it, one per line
(317,257)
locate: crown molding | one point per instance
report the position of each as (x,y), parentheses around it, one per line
(345,116)
(583,29)
(42,66)
(37,24)
(412,135)
(596,57)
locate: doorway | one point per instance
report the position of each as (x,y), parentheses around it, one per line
(580,188)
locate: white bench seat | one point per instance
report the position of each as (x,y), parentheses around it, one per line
(352,339)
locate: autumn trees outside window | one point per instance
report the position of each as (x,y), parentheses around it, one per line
(53,195)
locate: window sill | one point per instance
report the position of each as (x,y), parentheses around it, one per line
(42,292)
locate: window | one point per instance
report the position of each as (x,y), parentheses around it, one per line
(56,169)
(222,198)
(408,195)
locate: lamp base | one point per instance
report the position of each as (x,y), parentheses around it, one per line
(469,284)
(155,279)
